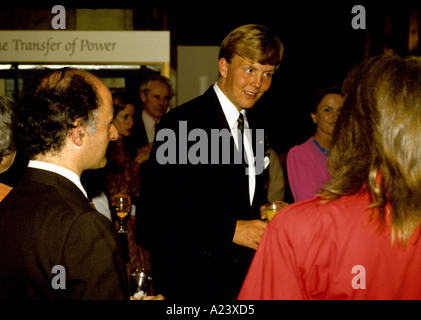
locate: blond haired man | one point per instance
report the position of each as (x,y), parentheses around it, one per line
(204,234)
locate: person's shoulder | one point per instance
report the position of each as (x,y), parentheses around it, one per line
(309,214)
(192,109)
(305,206)
(65,198)
(48,204)
(305,215)
(303,146)
(208,95)
(301,150)
(92,219)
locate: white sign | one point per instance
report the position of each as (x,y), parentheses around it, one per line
(105,47)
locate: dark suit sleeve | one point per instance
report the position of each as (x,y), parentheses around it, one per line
(94,268)
(185,203)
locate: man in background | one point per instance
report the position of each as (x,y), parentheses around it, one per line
(155,94)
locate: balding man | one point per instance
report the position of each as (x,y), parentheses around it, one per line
(53,243)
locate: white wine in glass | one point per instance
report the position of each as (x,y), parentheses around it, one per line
(122,208)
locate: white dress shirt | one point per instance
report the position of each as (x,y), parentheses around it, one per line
(149,124)
(231,114)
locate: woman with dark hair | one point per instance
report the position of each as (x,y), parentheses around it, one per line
(122,176)
(122,171)
(307,162)
(360,238)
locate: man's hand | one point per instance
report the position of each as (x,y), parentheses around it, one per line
(263,215)
(248,233)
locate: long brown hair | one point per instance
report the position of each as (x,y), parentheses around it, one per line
(376,146)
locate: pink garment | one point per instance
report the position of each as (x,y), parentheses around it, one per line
(330,251)
(307,170)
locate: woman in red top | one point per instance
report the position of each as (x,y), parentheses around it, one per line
(360,238)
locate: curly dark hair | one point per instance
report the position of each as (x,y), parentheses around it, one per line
(49,106)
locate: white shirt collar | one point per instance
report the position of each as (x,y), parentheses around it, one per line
(230,111)
(149,124)
(59,170)
(231,114)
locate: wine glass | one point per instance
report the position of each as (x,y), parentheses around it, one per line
(273,207)
(122,207)
(140,281)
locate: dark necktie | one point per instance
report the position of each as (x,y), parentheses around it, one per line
(240,127)
(240,121)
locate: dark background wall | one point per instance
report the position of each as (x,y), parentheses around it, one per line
(320,47)
(320,43)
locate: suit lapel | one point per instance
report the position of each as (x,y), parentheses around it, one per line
(237,172)
(214,110)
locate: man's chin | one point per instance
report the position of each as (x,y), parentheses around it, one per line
(100,165)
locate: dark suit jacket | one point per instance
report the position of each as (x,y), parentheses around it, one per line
(138,138)
(187,213)
(46,221)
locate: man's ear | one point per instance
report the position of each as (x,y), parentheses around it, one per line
(143,96)
(223,67)
(78,133)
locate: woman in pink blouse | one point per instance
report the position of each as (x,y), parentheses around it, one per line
(307,162)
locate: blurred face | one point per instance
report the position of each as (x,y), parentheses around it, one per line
(327,113)
(244,81)
(7,161)
(156,100)
(97,142)
(124,120)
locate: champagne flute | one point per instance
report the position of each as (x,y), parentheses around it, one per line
(122,207)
